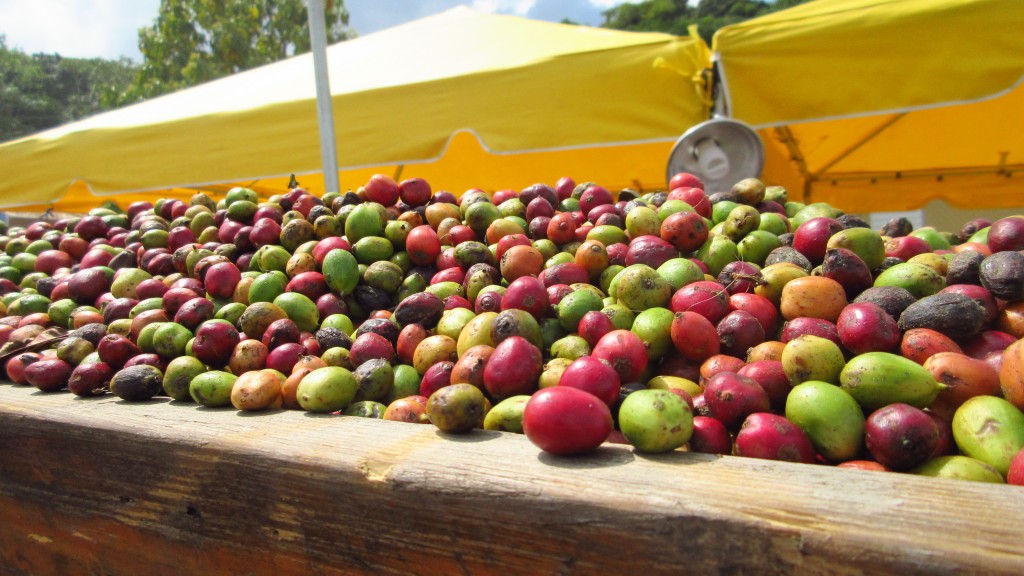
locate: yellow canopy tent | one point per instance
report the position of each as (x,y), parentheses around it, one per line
(878,105)
(463,99)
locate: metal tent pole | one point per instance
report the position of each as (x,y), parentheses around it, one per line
(324,110)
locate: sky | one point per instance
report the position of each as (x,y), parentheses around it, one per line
(109,28)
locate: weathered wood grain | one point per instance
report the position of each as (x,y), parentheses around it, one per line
(100,486)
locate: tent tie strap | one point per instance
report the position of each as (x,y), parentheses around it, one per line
(699,78)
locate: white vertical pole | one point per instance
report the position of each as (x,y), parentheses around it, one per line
(324,110)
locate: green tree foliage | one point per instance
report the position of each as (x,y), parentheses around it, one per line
(674,16)
(195,41)
(40,91)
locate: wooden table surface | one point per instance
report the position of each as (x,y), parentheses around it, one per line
(101,486)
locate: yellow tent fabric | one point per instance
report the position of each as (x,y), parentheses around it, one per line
(877,105)
(464,99)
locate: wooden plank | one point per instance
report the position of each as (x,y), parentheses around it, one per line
(100,486)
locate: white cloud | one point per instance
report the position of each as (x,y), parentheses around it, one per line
(109,28)
(77,28)
(520,7)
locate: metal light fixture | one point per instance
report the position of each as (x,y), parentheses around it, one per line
(720,151)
